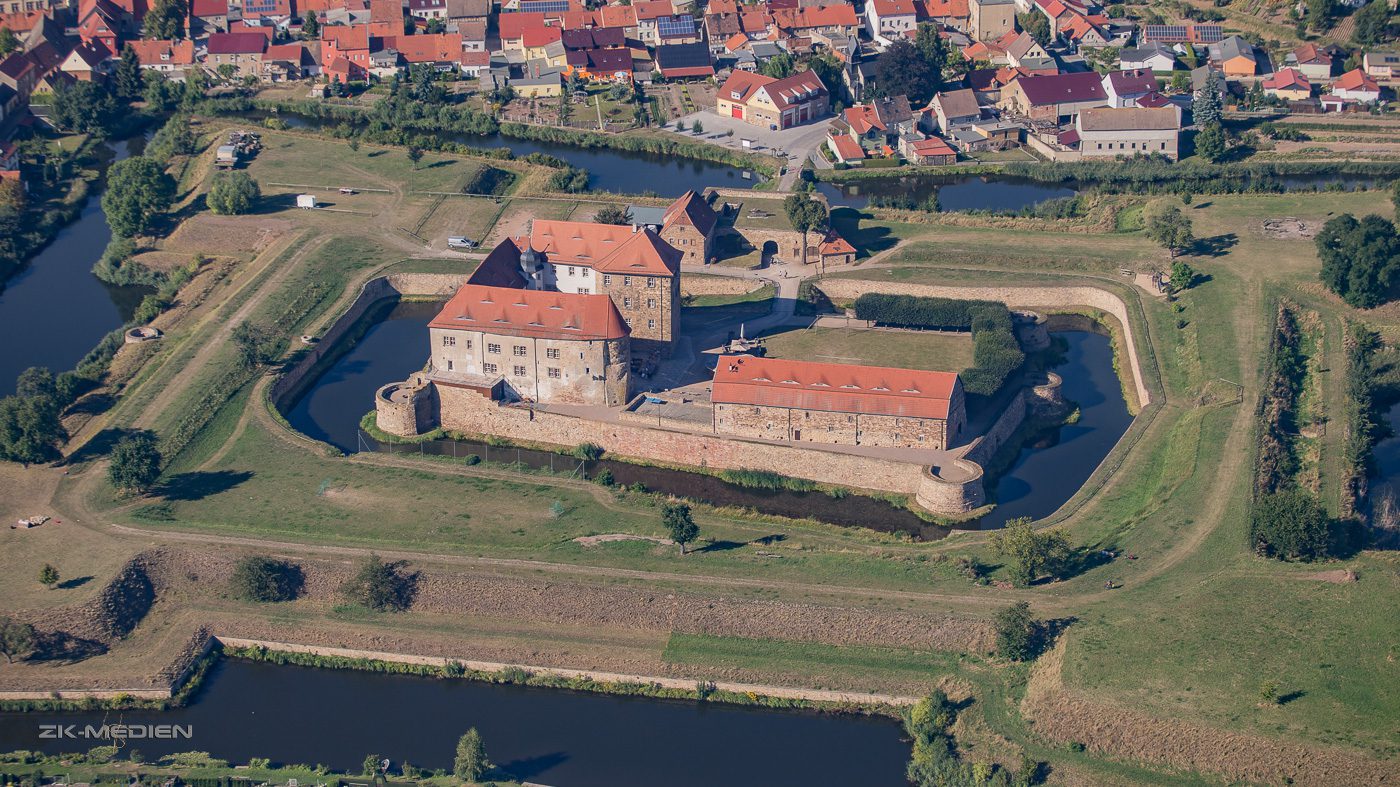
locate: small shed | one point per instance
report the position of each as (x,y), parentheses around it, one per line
(306,200)
(226,156)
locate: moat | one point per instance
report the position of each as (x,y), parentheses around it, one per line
(547,736)
(1041,477)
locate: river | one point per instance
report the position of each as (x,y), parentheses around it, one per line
(1039,481)
(55,310)
(955,193)
(547,736)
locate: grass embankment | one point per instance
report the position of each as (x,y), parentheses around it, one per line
(930,351)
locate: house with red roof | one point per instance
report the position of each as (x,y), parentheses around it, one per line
(927,151)
(776,103)
(1313,61)
(166,57)
(845,149)
(345,50)
(238,53)
(689,226)
(1052,98)
(207,16)
(842,404)
(1126,88)
(512,28)
(835,250)
(887,20)
(834,19)
(102,21)
(88,61)
(1288,84)
(24,71)
(948,13)
(1357,85)
(286,62)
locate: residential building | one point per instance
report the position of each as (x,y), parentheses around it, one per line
(1235,57)
(1357,85)
(844,148)
(952,108)
(208,16)
(87,62)
(1107,132)
(166,57)
(840,404)
(428,9)
(887,20)
(1153,56)
(1127,88)
(688,225)
(238,53)
(1383,66)
(1313,61)
(286,62)
(776,103)
(1288,84)
(927,151)
(991,19)
(1053,98)
(684,61)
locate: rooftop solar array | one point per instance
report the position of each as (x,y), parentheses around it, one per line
(675,25)
(544,6)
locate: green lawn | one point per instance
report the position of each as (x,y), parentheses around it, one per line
(764,213)
(302,159)
(935,352)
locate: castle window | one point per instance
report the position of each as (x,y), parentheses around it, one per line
(626,281)
(488,368)
(571,270)
(651,302)
(607,279)
(553,373)
(449,365)
(626,303)
(519,350)
(651,324)
(552,353)
(449,341)
(519,371)
(493,348)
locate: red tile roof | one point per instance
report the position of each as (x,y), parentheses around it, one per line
(1311,54)
(346,38)
(692,210)
(863,118)
(430,48)
(894,7)
(1062,88)
(1287,79)
(944,9)
(1356,79)
(152,53)
(835,244)
(539,314)
(653,9)
(932,147)
(237,43)
(817,16)
(848,149)
(513,26)
(540,36)
(832,387)
(607,248)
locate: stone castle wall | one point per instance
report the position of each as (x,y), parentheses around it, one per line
(701,284)
(1015,298)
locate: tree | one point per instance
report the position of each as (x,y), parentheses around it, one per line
(619,91)
(1360,259)
(164,20)
(256,344)
(1210,142)
(135,464)
(1182,276)
(936,50)
(159,92)
(381,586)
(904,71)
(678,522)
(370,766)
(471,763)
(1395,197)
(311,27)
(233,193)
(1017,632)
(48,576)
(779,66)
(36,381)
(82,106)
(267,580)
(1321,14)
(1181,80)
(807,215)
(1169,227)
(138,193)
(1372,23)
(1205,107)
(697,128)
(9,42)
(30,430)
(613,214)
(1036,25)
(1290,525)
(17,640)
(1031,552)
(128,81)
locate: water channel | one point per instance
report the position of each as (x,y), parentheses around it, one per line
(968,192)
(55,310)
(1038,481)
(547,736)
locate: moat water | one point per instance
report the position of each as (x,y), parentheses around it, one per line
(1039,480)
(546,736)
(44,333)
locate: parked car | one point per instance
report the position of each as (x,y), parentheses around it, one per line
(460,242)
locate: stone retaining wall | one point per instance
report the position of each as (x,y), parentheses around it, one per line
(1015,298)
(375,291)
(703,284)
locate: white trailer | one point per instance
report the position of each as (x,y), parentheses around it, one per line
(306,200)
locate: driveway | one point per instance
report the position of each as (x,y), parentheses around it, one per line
(796,143)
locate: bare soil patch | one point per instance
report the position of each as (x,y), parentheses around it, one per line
(210,234)
(608,538)
(1340,576)
(1290,228)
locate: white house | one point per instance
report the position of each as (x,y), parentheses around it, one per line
(888,20)
(1107,132)
(1357,86)
(1153,57)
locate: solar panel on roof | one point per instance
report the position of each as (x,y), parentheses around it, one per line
(544,6)
(675,25)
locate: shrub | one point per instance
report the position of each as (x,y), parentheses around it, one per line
(604,477)
(267,580)
(381,586)
(1018,634)
(1290,525)
(589,451)
(995,352)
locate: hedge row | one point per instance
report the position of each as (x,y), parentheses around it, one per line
(995,352)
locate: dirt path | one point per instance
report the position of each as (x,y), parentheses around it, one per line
(213,343)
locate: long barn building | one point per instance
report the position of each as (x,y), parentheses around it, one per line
(801,401)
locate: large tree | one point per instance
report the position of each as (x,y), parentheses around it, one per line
(1321,13)
(1035,23)
(675,517)
(613,214)
(9,42)
(807,215)
(470,763)
(1030,552)
(1169,227)
(135,462)
(138,194)
(30,429)
(1206,107)
(1360,259)
(82,106)
(1018,633)
(904,71)
(779,66)
(165,20)
(17,640)
(1210,142)
(1372,23)
(233,193)
(128,82)
(1290,525)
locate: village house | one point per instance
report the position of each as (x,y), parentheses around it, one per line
(87,62)
(836,19)
(428,10)
(1356,85)
(776,103)
(345,50)
(166,57)
(1127,88)
(684,61)
(1054,98)
(949,109)
(688,225)
(952,14)
(1312,61)
(931,151)
(1288,84)
(1153,56)
(238,53)
(887,20)
(208,16)
(101,21)
(1022,51)
(844,148)
(286,62)
(1235,57)
(1382,66)
(839,404)
(1108,132)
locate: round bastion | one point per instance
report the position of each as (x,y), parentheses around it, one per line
(954,487)
(404,408)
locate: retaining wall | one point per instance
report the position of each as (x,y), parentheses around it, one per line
(708,284)
(1015,298)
